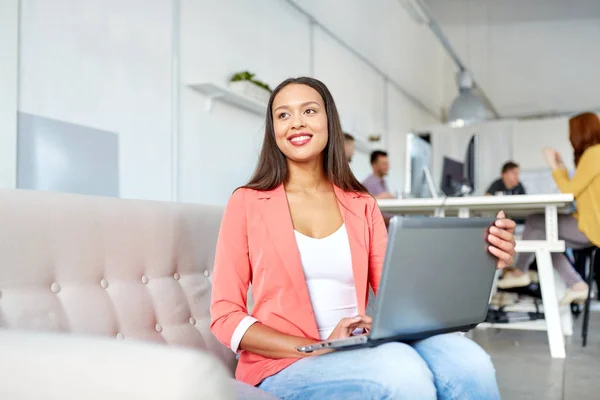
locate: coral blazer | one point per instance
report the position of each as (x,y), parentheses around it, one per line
(257,246)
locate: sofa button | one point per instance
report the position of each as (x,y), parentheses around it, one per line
(206,273)
(104,283)
(192,321)
(176,276)
(158,328)
(55,287)
(120,336)
(144,279)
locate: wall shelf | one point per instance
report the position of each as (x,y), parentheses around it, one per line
(362,146)
(215,92)
(365,146)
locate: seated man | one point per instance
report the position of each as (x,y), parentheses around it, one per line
(508,184)
(375,183)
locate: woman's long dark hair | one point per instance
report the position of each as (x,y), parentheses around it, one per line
(272,169)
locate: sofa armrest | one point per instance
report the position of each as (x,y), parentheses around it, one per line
(71,367)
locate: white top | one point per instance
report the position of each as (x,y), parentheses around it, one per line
(327,265)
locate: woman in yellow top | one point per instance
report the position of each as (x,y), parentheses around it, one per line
(579,230)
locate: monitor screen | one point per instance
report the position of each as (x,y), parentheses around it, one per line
(452,177)
(418,158)
(470,163)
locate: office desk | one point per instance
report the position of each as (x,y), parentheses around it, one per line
(514,206)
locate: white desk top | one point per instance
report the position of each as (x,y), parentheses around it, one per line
(524,204)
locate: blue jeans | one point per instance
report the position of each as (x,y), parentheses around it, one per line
(441,367)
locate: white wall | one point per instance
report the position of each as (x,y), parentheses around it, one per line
(384,33)
(219,149)
(359,93)
(277,41)
(530,137)
(9,39)
(110,64)
(105,64)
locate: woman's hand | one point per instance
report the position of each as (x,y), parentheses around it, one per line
(553,158)
(346,326)
(502,240)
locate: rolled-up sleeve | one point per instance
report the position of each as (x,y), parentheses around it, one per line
(240,331)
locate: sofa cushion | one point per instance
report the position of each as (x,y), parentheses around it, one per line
(126,269)
(38,365)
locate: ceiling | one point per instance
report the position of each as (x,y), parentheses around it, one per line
(511,11)
(530,57)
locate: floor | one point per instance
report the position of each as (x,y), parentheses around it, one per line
(526,371)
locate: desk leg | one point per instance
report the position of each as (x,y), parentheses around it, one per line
(551,224)
(556,339)
(552,238)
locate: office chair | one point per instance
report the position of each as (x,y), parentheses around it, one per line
(587,263)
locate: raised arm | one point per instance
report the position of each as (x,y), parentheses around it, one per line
(587,169)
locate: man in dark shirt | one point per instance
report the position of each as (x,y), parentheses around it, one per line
(509,183)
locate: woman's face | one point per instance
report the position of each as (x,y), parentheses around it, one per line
(300,122)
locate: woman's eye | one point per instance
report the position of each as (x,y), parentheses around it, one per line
(310,111)
(282,115)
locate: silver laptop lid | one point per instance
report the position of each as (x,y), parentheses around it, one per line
(437,276)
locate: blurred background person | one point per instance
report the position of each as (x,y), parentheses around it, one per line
(508,183)
(375,183)
(349,146)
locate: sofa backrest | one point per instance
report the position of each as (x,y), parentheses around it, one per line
(129,269)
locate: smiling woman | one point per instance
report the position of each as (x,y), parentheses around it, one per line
(302,124)
(311,240)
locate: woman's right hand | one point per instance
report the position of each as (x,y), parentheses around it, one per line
(346,326)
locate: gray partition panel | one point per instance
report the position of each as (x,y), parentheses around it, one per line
(63,157)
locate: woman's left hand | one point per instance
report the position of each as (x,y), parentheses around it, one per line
(502,240)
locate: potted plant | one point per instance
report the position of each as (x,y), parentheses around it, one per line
(245,84)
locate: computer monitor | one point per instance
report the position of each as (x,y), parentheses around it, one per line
(418,167)
(470,168)
(453,177)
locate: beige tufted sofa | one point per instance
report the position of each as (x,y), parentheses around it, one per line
(122,276)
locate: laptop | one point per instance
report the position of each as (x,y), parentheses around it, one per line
(437,278)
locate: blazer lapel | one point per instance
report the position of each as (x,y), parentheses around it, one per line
(353,212)
(276,214)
